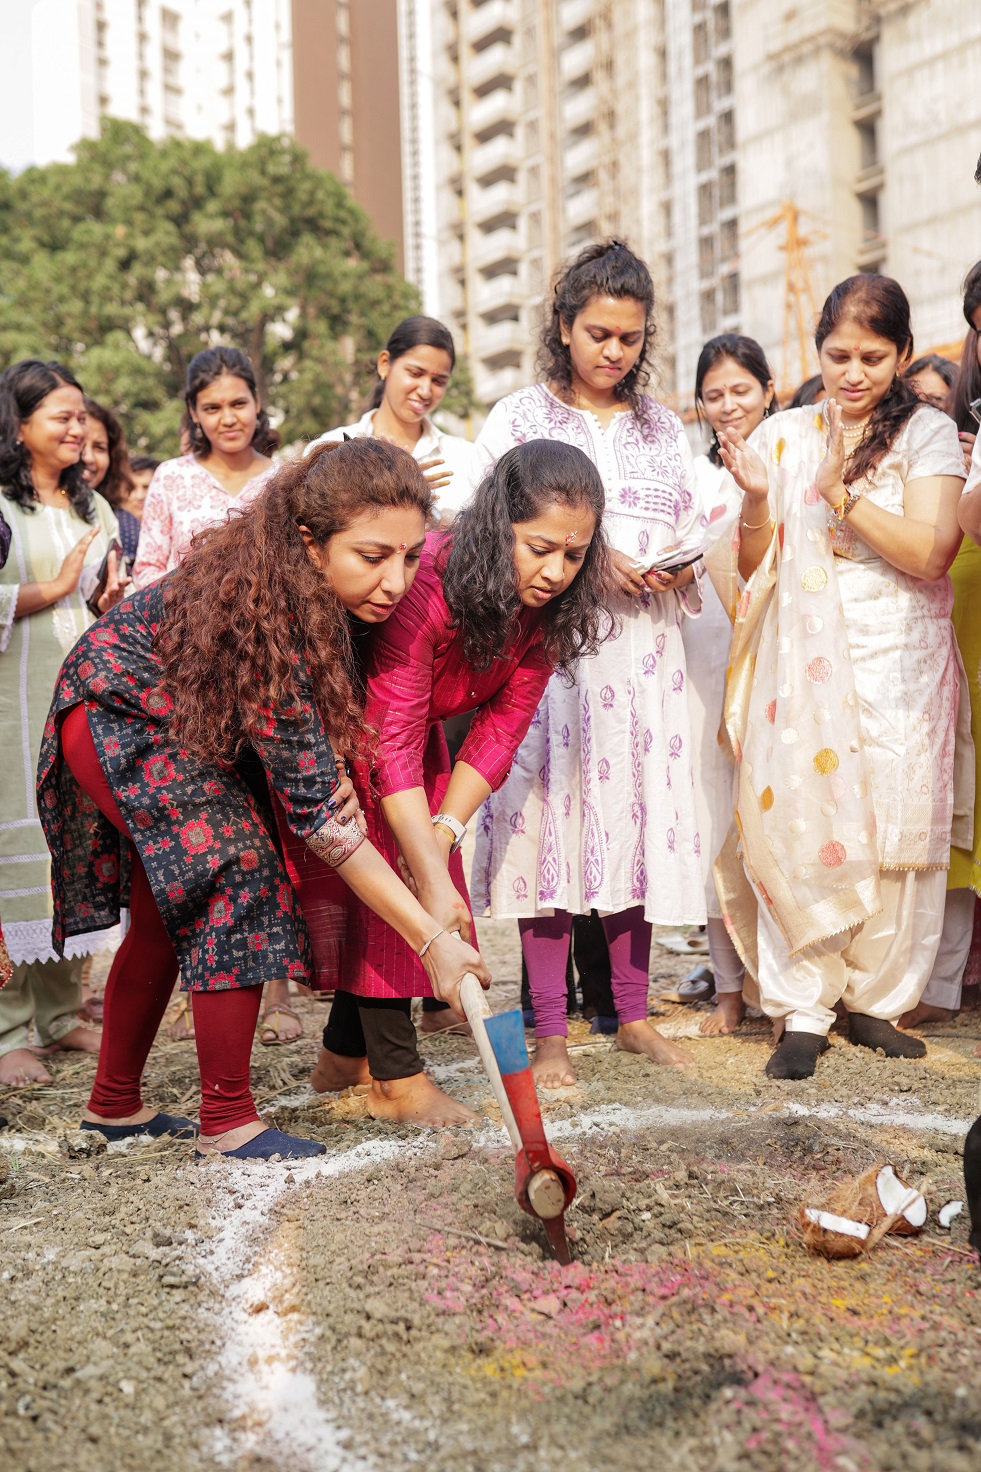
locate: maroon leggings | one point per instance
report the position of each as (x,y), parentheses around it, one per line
(141,982)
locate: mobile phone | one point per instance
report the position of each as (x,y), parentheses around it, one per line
(102,577)
(974,409)
(677,567)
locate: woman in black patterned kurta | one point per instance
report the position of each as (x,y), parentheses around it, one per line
(230,655)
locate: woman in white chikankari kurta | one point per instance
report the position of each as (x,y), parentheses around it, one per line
(844,700)
(598,812)
(733,390)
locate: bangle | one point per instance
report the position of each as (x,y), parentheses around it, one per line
(758,526)
(430,941)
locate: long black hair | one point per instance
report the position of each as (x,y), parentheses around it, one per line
(476,557)
(967,381)
(118,481)
(202,370)
(745,351)
(23,388)
(608,268)
(414,332)
(879,304)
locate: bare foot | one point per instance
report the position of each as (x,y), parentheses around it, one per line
(79,1040)
(335,1072)
(141,1116)
(180,1025)
(778,1026)
(20,1068)
(551,1067)
(977,1050)
(442,1020)
(231,1139)
(730,1010)
(416,1100)
(924,1012)
(640,1037)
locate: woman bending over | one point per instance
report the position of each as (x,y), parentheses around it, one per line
(243,652)
(514,590)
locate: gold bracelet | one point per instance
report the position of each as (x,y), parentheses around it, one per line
(757,526)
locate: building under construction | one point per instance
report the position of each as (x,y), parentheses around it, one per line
(754,151)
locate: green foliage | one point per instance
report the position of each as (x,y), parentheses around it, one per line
(128,261)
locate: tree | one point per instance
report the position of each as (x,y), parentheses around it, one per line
(128,261)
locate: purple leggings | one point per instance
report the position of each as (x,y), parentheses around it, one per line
(545,943)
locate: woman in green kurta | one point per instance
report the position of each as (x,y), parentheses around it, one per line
(61,533)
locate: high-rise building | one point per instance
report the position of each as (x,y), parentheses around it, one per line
(754,151)
(325,71)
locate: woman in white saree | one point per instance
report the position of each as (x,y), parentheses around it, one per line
(844,695)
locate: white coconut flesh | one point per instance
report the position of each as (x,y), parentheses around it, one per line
(946,1214)
(898,1199)
(828,1222)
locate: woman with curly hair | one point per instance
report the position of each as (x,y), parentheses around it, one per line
(599,812)
(846,696)
(144,779)
(227,465)
(61,532)
(515,589)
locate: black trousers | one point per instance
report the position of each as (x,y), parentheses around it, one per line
(378,1028)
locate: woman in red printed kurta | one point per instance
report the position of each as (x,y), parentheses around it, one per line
(515,590)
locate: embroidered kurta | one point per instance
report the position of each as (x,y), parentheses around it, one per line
(417,678)
(458,456)
(599,811)
(183,499)
(707,643)
(211,861)
(31,652)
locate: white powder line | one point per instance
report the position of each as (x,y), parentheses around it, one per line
(277,1401)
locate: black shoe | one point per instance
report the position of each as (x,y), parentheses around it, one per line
(796,1055)
(160,1124)
(872,1032)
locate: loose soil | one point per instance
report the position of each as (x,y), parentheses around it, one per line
(390,1306)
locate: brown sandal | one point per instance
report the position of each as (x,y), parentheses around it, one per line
(269,1025)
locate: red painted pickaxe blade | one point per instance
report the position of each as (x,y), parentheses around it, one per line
(543,1183)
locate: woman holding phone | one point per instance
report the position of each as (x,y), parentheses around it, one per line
(61,532)
(599,810)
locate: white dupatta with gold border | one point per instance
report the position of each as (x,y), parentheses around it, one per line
(804,829)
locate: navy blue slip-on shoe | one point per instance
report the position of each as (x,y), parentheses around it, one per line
(605,1025)
(268,1144)
(160,1124)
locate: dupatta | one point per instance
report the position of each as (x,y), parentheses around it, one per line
(803,839)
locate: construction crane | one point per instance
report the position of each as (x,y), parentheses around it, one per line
(799,306)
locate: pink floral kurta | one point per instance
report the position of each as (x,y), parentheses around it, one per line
(599,811)
(184,498)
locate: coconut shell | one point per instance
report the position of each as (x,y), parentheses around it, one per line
(890,1191)
(831,1235)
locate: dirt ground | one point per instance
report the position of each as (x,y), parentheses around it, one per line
(389,1305)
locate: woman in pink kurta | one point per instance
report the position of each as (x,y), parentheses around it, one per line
(515,590)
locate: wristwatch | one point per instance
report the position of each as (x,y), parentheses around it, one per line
(452,825)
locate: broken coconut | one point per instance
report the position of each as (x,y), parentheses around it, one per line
(897,1199)
(946,1214)
(856,1213)
(833,1236)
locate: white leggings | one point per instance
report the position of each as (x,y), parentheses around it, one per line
(880,968)
(944,987)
